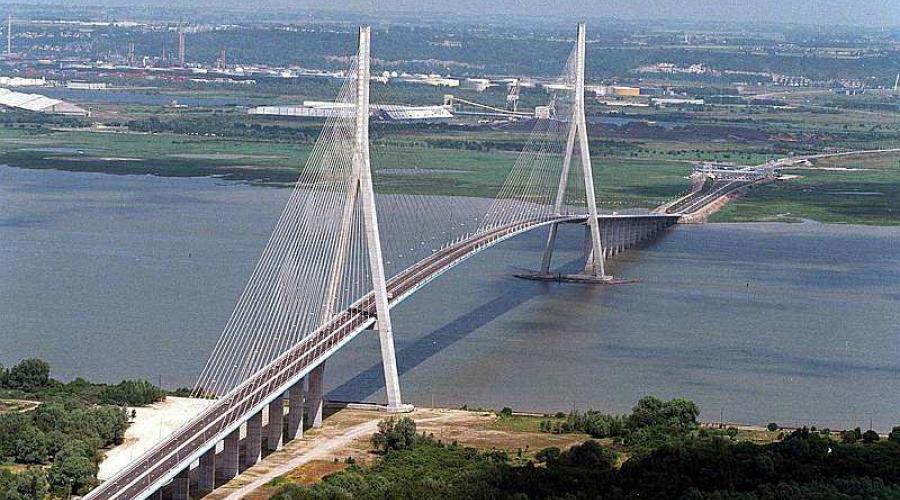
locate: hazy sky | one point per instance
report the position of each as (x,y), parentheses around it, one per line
(844,12)
(868,12)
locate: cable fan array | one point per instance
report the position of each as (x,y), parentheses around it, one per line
(287,296)
(531,188)
(315,264)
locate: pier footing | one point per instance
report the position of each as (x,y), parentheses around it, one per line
(587,279)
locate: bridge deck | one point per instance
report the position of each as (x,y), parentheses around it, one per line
(183,447)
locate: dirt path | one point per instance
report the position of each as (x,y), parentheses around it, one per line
(319,452)
(347,433)
(343,434)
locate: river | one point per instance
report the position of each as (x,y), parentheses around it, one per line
(109,276)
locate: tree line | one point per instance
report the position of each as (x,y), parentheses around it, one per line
(57,446)
(674,459)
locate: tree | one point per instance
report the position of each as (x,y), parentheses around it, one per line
(589,455)
(548,455)
(772,427)
(870,436)
(28,375)
(676,414)
(894,436)
(32,483)
(131,393)
(12,425)
(31,446)
(849,437)
(74,472)
(395,434)
(110,423)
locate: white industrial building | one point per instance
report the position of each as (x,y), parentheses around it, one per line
(39,104)
(433,80)
(384,112)
(18,81)
(393,112)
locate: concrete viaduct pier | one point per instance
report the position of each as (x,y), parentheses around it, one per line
(617,234)
(283,420)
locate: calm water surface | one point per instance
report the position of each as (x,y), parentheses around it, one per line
(110,276)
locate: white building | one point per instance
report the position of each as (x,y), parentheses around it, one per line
(384,112)
(39,104)
(17,81)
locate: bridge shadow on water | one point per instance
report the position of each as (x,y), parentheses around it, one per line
(371,380)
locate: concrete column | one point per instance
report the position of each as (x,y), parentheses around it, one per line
(181,485)
(295,410)
(588,244)
(275,430)
(604,240)
(207,471)
(230,453)
(253,441)
(315,403)
(620,238)
(548,250)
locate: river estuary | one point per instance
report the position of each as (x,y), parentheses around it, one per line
(108,277)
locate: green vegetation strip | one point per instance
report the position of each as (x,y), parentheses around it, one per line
(668,456)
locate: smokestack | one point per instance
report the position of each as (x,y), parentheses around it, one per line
(222,64)
(9,34)
(131,53)
(180,47)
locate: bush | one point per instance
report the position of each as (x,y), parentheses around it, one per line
(31,446)
(589,455)
(894,436)
(74,470)
(395,435)
(870,436)
(132,393)
(547,455)
(29,375)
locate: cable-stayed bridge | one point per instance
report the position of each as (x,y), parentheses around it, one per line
(325,276)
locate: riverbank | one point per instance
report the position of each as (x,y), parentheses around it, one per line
(149,425)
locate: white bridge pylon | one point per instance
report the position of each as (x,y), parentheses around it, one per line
(594,266)
(321,281)
(323,260)
(362,189)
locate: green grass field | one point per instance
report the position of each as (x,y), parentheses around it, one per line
(403,169)
(870,195)
(627,173)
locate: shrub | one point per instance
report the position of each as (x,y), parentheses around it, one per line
(131,393)
(548,455)
(395,435)
(29,375)
(870,436)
